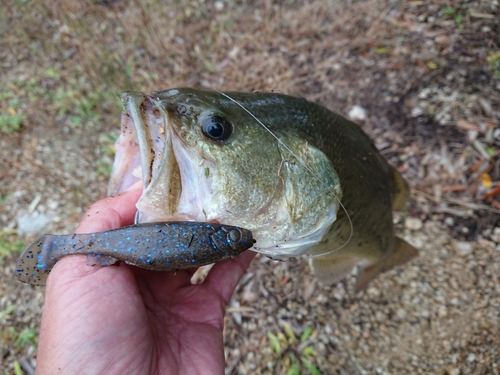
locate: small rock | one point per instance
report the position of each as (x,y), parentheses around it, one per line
(339,294)
(413,223)
(401,314)
(373,292)
(416,112)
(496,235)
(442,311)
(496,133)
(472,135)
(309,289)
(424,94)
(486,105)
(321,298)
(425,314)
(380,316)
(449,221)
(357,113)
(32,224)
(219,5)
(463,248)
(52,204)
(249,296)
(471,357)
(234,52)
(447,345)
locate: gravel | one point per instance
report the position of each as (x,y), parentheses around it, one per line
(418,81)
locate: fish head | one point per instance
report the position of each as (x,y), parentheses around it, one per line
(203,157)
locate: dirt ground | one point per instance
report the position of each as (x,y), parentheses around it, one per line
(424,80)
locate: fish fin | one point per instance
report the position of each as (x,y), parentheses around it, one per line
(401,191)
(100,260)
(402,253)
(329,269)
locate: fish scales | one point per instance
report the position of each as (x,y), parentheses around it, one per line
(155,246)
(371,188)
(361,168)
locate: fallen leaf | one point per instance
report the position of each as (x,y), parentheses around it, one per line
(486,180)
(432,65)
(466,125)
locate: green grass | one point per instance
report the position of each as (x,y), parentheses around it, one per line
(10,244)
(494,62)
(74,101)
(291,353)
(11,115)
(28,336)
(7,312)
(456,12)
(17,339)
(20,339)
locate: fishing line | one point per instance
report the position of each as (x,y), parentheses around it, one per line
(306,167)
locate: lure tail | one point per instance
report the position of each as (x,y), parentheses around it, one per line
(36,261)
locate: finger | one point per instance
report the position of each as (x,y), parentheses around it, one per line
(157,281)
(111,212)
(225,276)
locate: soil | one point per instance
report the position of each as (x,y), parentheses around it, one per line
(427,77)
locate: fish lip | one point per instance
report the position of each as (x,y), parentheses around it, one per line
(135,104)
(160,174)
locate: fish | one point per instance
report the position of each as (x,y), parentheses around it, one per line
(165,246)
(305,180)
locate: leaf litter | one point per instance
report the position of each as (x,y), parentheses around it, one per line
(426,78)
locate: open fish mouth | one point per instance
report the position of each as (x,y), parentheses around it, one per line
(133,161)
(145,152)
(136,149)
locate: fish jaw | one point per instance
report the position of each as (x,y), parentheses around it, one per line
(149,148)
(127,158)
(134,154)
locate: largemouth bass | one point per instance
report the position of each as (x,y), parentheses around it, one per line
(155,246)
(303,179)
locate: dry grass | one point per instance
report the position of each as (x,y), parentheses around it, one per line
(424,71)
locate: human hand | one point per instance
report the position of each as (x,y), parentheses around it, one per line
(127,320)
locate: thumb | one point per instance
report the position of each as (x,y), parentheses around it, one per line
(111,212)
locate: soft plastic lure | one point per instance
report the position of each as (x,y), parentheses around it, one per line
(166,246)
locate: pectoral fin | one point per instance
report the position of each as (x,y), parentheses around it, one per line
(402,253)
(329,269)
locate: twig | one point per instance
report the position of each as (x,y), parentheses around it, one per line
(26,366)
(229,370)
(458,202)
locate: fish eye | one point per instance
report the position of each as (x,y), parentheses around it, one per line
(216,128)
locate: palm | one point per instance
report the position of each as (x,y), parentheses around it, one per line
(117,320)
